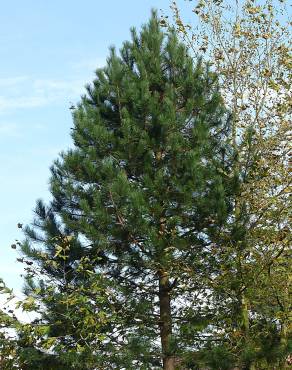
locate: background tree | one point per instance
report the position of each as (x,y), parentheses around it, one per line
(248,43)
(8,321)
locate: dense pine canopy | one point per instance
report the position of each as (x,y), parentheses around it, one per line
(138,199)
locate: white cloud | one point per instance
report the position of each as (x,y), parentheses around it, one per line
(90,64)
(12,81)
(9,129)
(58,88)
(27,93)
(12,103)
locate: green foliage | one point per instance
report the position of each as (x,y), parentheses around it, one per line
(219,358)
(135,206)
(165,239)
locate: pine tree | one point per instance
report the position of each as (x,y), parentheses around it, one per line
(120,276)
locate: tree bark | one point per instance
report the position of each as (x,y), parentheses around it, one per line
(283,343)
(165,321)
(245,325)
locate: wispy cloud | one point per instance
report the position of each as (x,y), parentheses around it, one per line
(12,103)
(12,81)
(42,92)
(90,64)
(58,88)
(8,129)
(27,92)
(11,129)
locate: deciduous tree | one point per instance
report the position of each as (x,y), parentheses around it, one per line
(248,43)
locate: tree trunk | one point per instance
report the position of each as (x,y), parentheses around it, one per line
(245,325)
(283,344)
(244,315)
(165,321)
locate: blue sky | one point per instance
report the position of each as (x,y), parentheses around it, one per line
(48,52)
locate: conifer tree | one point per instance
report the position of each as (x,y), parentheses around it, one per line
(119,276)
